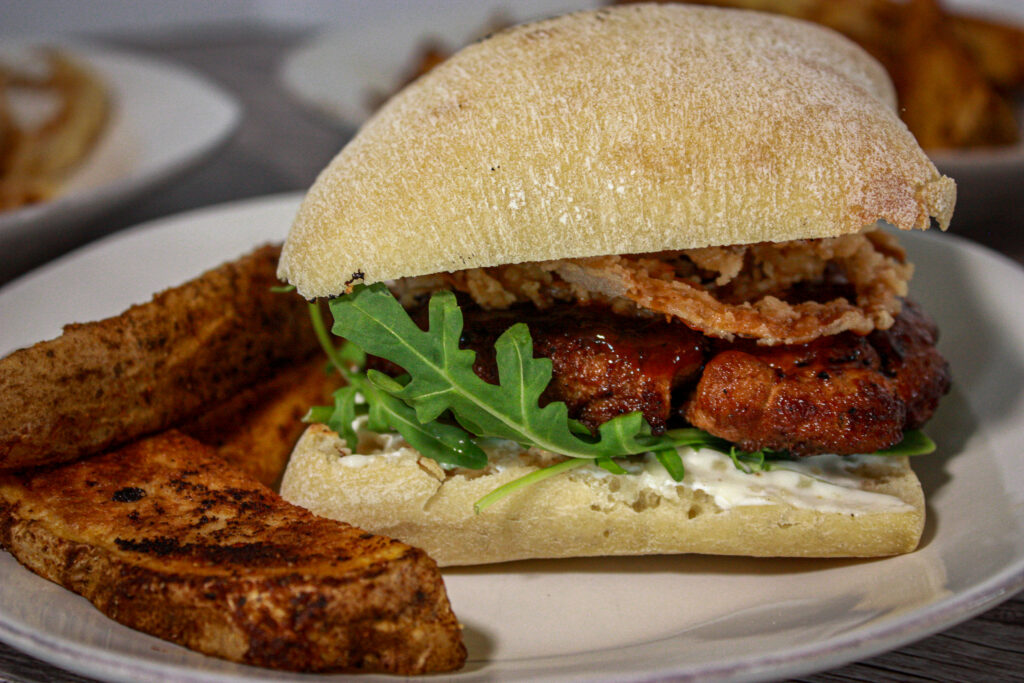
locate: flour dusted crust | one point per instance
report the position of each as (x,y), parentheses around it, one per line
(577,516)
(622,130)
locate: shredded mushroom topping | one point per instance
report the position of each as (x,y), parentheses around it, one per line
(747,291)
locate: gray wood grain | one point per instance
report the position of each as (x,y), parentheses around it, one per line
(281,147)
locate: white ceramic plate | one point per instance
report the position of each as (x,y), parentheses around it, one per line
(164,118)
(621,618)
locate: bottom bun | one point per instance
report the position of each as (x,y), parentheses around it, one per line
(826,506)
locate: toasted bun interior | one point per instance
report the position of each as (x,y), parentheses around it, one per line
(622,130)
(878,510)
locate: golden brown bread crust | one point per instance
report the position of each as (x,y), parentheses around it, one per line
(624,130)
(102,384)
(256,429)
(167,539)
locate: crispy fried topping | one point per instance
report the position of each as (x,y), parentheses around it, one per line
(750,291)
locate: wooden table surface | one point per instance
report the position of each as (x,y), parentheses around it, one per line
(280,147)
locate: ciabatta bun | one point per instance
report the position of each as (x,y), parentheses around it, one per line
(398,493)
(623,130)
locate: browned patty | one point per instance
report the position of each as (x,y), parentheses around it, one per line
(845,394)
(842,394)
(602,365)
(918,371)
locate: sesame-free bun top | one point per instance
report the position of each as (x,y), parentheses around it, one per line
(623,130)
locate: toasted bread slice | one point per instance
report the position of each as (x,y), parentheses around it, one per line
(103,384)
(165,537)
(257,428)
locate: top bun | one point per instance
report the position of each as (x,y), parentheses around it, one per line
(623,130)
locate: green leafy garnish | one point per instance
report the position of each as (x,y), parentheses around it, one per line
(443,384)
(445,410)
(672,462)
(753,461)
(610,465)
(915,442)
(442,442)
(531,478)
(445,443)
(344,414)
(321,414)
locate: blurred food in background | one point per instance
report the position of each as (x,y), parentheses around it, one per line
(430,53)
(51,114)
(955,75)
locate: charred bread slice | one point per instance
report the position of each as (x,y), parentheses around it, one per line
(166,538)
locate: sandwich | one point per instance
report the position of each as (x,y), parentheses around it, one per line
(621,282)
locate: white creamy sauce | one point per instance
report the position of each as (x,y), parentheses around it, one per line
(373,446)
(822,482)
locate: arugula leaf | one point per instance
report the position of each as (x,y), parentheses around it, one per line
(531,478)
(749,462)
(352,354)
(344,414)
(319,414)
(915,442)
(672,462)
(697,438)
(611,466)
(442,380)
(445,443)
(334,355)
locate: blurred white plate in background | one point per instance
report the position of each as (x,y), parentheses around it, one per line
(372,47)
(990,181)
(164,118)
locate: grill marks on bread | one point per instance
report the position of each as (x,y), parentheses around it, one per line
(180,540)
(166,538)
